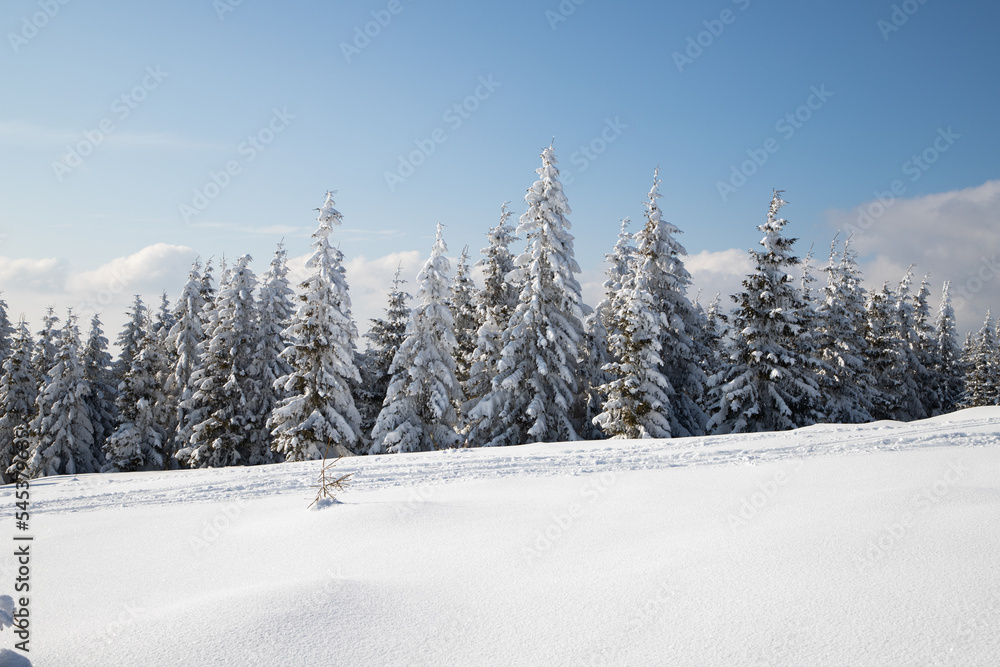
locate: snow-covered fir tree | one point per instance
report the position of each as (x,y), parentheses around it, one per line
(594,358)
(930,384)
(62,433)
(982,377)
(767,385)
(96,361)
(419,412)
(637,397)
(183,340)
(841,341)
(319,414)
(660,256)
(384,338)
(275,312)
(948,355)
(224,412)
(47,346)
(621,265)
(6,332)
(910,404)
(129,339)
(885,359)
(714,332)
(533,396)
(140,441)
(18,391)
(465,317)
(494,304)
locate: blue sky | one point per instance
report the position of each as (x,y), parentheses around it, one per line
(183,89)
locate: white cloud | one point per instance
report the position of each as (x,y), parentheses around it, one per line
(953,235)
(720,272)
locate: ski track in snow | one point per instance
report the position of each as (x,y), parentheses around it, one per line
(72,493)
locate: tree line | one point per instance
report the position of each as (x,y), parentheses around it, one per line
(253,372)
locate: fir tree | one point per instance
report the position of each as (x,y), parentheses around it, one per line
(63,435)
(495,304)
(226,426)
(276,309)
(184,339)
(319,411)
(841,343)
(419,412)
(384,338)
(18,392)
(714,332)
(532,397)
(6,333)
(465,317)
(930,383)
(767,385)
(660,257)
(139,442)
(948,355)
(910,405)
(129,339)
(982,378)
(885,359)
(96,363)
(47,347)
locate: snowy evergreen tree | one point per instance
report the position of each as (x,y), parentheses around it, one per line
(844,379)
(419,412)
(621,265)
(885,359)
(139,442)
(47,347)
(183,340)
(948,355)
(224,412)
(129,339)
(6,333)
(384,338)
(593,361)
(465,316)
(714,333)
(914,373)
(495,303)
(767,385)
(63,435)
(319,411)
(18,392)
(96,362)
(660,257)
(636,400)
(982,378)
(276,309)
(533,395)
(930,383)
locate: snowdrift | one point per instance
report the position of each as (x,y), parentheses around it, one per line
(832,545)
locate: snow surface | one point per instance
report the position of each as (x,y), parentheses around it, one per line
(831,545)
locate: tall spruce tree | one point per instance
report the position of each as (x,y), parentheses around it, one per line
(384,338)
(184,339)
(948,355)
(47,346)
(276,309)
(319,414)
(96,361)
(885,359)
(495,304)
(63,435)
(533,395)
(465,317)
(419,412)
(767,385)
(6,333)
(841,341)
(914,374)
(18,392)
(982,377)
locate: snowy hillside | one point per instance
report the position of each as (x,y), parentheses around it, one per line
(831,545)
